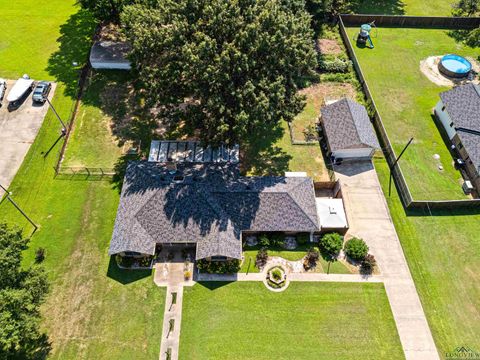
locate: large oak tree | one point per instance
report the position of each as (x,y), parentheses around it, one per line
(22,291)
(223,67)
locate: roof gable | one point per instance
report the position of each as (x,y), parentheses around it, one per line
(348,126)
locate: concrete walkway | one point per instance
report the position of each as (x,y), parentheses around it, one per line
(369,218)
(173,311)
(292,277)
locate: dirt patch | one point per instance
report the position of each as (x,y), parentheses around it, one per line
(328,90)
(429,68)
(328,46)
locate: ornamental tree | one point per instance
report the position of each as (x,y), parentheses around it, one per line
(221,67)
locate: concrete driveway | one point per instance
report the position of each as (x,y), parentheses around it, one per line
(369,218)
(18,130)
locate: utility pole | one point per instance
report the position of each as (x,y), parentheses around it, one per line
(64,127)
(18,208)
(395,163)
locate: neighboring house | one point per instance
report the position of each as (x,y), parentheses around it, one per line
(110,55)
(459,112)
(348,130)
(207,205)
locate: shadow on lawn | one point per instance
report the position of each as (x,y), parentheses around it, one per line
(125,276)
(75,41)
(390,7)
(261,155)
(214,285)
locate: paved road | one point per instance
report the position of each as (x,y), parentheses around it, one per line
(369,218)
(18,130)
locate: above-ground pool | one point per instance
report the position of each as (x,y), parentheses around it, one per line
(454,66)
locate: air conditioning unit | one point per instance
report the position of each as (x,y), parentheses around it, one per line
(467,187)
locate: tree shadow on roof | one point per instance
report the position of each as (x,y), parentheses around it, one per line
(125,276)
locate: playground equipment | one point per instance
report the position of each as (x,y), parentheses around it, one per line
(364,37)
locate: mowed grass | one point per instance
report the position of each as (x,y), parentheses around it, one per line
(405,99)
(91,142)
(244,320)
(28,35)
(405,7)
(442,252)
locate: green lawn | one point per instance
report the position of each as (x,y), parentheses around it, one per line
(271,152)
(250,255)
(405,99)
(405,7)
(244,320)
(442,253)
(89,312)
(29,37)
(91,143)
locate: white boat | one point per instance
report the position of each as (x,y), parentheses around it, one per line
(19,88)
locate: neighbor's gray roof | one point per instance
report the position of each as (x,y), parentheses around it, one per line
(210,207)
(471,143)
(463,106)
(109,51)
(348,126)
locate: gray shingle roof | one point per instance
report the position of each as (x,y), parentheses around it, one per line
(348,126)
(463,106)
(108,51)
(211,205)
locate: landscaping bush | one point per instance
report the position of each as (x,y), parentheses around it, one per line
(263,240)
(331,243)
(303,239)
(219,267)
(262,257)
(311,259)
(276,274)
(277,239)
(125,261)
(334,66)
(356,249)
(368,264)
(39,255)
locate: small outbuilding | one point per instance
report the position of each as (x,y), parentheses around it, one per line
(110,55)
(348,130)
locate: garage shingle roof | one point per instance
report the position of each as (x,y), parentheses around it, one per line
(348,126)
(208,204)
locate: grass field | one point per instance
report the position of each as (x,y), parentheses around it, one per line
(91,143)
(441,250)
(244,320)
(405,7)
(271,152)
(405,99)
(30,35)
(88,313)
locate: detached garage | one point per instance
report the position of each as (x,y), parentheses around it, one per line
(110,55)
(348,130)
